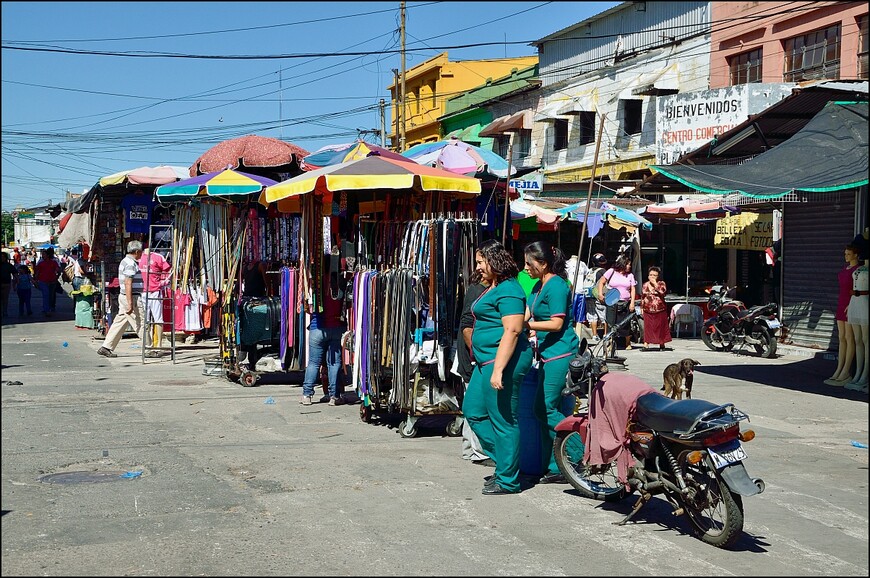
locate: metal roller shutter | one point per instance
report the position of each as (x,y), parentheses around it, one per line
(814,236)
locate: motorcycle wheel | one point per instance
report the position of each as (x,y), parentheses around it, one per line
(715,342)
(595,482)
(637,329)
(715,512)
(767,348)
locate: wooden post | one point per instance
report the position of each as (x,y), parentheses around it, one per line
(589,198)
(507,183)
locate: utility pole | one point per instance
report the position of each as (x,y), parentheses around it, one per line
(589,199)
(280,105)
(404,114)
(383,124)
(398,109)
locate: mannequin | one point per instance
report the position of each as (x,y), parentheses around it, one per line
(857,319)
(846,345)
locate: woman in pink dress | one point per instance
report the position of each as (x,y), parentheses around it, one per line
(846,345)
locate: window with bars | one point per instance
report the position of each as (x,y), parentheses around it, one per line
(813,56)
(560,134)
(862,47)
(745,67)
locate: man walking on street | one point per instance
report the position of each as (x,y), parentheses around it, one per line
(129,300)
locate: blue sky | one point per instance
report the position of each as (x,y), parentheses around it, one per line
(70,118)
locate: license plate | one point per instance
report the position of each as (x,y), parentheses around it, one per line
(773,323)
(727,454)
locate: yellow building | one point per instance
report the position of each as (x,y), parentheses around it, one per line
(429,84)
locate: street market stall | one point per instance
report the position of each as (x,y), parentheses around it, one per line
(397,241)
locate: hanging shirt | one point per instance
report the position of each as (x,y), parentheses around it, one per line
(506,298)
(137,212)
(549,300)
(155,270)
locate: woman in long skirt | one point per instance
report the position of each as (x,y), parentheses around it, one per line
(655,316)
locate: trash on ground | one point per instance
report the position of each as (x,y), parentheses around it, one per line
(131,474)
(859,445)
(269,400)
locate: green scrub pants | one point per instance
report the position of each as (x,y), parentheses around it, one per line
(549,404)
(492,415)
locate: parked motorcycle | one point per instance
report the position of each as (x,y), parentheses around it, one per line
(689,451)
(734,324)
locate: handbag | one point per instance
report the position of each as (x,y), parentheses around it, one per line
(68,273)
(596,294)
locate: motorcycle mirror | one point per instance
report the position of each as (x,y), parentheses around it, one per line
(583,345)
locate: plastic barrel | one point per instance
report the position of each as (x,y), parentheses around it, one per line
(531,448)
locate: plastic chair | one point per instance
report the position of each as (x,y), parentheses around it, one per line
(686,314)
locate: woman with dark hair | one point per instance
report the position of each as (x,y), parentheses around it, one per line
(655,316)
(500,348)
(619,277)
(550,323)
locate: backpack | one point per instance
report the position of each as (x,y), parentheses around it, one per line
(589,282)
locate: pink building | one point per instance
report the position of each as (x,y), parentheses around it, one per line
(787,42)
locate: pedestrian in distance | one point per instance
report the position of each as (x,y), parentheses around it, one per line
(324,346)
(8,276)
(596,312)
(501,350)
(47,272)
(655,316)
(549,319)
(621,278)
(24,289)
(129,301)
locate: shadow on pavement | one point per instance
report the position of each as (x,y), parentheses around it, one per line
(805,375)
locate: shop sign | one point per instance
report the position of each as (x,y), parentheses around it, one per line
(26,215)
(747,231)
(687,121)
(530,183)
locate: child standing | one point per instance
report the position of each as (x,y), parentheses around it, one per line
(24,288)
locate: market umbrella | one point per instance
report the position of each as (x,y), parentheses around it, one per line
(606,211)
(460,157)
(687,209)
(226,183)
(160,175)
(250,152)
(341,153)
(372,173)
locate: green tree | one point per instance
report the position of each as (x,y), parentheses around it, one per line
(8,228)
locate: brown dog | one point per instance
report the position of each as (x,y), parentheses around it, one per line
(678,378)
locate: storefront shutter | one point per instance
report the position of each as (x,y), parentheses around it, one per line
(814,236)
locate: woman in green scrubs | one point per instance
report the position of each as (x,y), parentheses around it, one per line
(551,329)
(501,352)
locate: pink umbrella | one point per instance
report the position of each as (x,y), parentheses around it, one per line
(250,152)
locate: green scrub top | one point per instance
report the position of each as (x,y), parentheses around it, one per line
(548,300)
(505,298)
(526,282)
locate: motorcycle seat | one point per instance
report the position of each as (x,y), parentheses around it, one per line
(667,415)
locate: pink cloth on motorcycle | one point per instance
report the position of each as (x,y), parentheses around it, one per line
(611,405)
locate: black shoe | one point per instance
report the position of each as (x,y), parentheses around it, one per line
(553,479)
(488,462)
(106,352)
(496,490)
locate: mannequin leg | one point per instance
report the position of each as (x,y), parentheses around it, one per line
(841,349)
(862,357)
(845,374)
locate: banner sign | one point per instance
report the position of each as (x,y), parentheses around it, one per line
(747,231)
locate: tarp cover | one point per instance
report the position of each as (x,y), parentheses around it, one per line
(829,154)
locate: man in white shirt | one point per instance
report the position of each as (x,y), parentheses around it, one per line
(129,300)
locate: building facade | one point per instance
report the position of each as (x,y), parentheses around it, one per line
(788,42)
(428,86)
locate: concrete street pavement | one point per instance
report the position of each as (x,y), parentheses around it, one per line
(232,485)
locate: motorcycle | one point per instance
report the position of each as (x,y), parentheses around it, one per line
(734,324)
(689,451)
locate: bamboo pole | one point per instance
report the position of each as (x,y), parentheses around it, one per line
(589,199)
